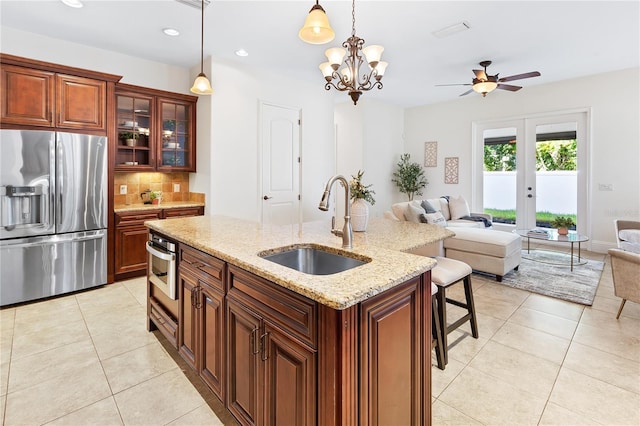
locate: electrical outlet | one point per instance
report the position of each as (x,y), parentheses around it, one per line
(605,187)
(176,187)
(123,189)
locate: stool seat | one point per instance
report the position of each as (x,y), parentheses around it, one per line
(449,271)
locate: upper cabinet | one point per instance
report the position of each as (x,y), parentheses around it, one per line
(155,130)
(39,94)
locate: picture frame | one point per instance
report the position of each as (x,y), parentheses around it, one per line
(451,168)
(431,154)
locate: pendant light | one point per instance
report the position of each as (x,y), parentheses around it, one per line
(201,85)
(316,28)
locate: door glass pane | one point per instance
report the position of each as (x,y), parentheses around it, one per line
(556,173)
(499,176)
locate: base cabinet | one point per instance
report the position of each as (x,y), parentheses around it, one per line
(275,357)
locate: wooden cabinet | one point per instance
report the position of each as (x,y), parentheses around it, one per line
(271,353)
(130,253)
(201,315)
(155,130)
(130,240)
(39,94)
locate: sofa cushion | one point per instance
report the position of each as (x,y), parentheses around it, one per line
(462,223)
(413,212)
(486,241)
(428,207)
(458,207)
(434,219)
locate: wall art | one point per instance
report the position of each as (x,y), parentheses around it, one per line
(451,169)
(431,154)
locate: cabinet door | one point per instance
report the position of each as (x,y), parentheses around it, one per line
(189,303)
(243,362)
(27,96)
(81,103)
(290,380)
(130,251)
(176,146)
(211,353)
(391,349)
(135,146)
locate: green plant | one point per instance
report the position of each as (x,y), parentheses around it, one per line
(129,135)
(409,177)
(360,190)
(562,222)
(155,194)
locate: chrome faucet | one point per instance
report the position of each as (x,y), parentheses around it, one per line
(347,232)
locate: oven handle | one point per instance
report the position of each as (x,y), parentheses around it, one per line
(159,254)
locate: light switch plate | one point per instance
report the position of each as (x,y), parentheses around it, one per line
(176,187)
(123,189)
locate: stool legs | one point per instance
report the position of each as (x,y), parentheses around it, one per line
(442,314)
(436,331)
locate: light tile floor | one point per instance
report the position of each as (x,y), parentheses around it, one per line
(88,359)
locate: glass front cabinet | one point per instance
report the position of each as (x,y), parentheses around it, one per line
(155,130)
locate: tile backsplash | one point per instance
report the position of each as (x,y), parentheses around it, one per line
(139,182)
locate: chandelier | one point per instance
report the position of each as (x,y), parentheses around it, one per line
(348,78)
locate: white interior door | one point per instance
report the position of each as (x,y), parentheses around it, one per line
(280,177)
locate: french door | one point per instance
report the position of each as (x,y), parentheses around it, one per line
(529,170)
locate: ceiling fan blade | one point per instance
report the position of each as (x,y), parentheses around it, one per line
(454,84)
(480,75)
(520,76)
(509,87)
(467,92)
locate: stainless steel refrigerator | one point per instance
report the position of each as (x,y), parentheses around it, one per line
(53,213)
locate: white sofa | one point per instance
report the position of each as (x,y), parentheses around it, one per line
(482,248)
(628,235)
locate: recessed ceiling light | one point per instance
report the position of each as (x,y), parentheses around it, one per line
(242,52)
(171,32)
(73,3)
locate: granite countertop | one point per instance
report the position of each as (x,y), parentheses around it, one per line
(119,208)
(238,242)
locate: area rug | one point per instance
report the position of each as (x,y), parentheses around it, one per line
(548,273)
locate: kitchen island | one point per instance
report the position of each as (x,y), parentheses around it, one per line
(280,346)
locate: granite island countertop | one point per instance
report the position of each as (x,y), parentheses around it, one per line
(385,243)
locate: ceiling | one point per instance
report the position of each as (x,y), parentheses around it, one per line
(561,39)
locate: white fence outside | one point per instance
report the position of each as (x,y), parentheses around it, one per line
(556,192)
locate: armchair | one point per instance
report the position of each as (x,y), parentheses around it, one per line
(625,268)
(628,235)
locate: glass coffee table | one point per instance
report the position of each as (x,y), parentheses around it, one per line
(552,235)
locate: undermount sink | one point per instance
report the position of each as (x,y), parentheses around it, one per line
(312,260)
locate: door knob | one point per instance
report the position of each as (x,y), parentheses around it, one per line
(266,198)
(530,196)
(529,188)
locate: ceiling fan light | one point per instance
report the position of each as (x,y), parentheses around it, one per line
(316,28)
(335,56)
(201,85)
(485,87)
(373,54)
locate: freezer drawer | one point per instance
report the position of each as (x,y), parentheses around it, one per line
(33,268)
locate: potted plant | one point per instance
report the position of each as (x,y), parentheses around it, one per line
(360,195)
(155,197)
(129,138)
(409,177)
(563,224)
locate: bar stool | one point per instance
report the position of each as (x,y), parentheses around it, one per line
(446,273)
(436,331)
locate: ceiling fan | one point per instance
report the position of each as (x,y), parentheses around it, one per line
(485,83)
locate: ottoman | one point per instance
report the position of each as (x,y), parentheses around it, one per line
(485,250)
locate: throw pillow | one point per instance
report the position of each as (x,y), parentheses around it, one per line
(426,205)
(433,219)
(413,212)
(458,207)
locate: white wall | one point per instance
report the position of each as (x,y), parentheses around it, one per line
(614,99)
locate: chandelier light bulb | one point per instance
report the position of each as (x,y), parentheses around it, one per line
(380,69)
(346,75)
(335,56)
(201,85)
(373,54)
(327,70)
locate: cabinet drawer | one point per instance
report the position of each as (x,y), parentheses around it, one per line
(290,311)
(205,266)
(165,323)
(137,218)
(183,212)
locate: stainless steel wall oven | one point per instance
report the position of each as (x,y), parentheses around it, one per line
(162,264)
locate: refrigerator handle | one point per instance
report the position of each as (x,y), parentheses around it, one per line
(56,240)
